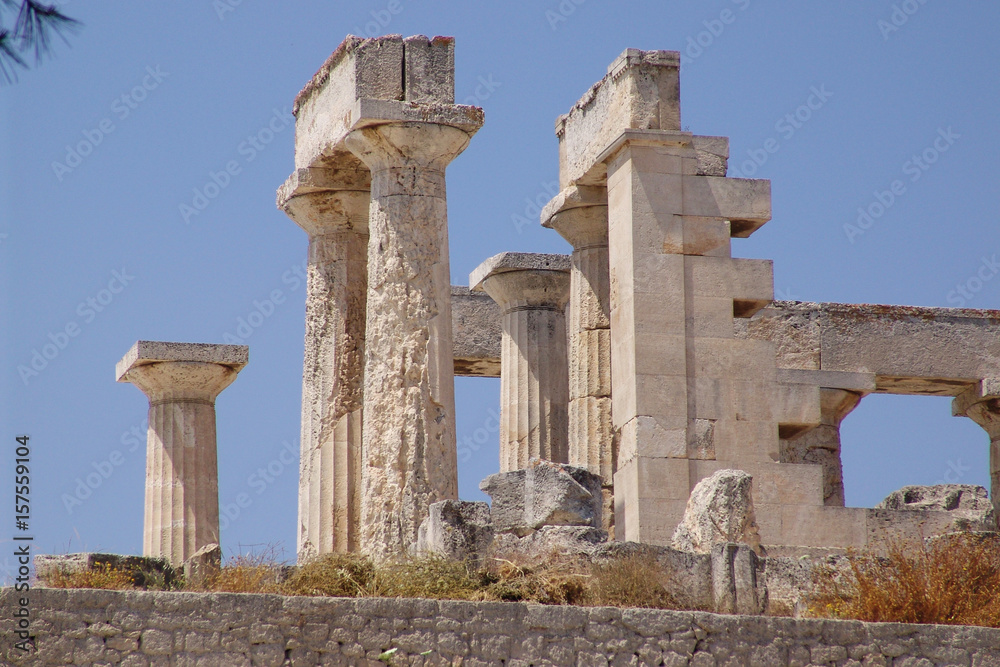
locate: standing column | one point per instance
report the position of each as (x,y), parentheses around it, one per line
(981,404)
(182,481)
(580,215)
(331,205)
(409,458)
(822,444)
(531,290)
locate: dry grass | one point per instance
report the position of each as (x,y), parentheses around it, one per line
(102,576)
(955,581)
(252,573)
(630,581)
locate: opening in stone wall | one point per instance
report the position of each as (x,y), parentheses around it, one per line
(477,425)
(891,441)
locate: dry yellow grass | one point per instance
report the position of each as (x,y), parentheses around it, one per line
(955,580)
(102,576)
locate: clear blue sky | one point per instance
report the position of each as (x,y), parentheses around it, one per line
(198,82)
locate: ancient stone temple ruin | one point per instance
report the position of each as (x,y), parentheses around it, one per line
(643,366)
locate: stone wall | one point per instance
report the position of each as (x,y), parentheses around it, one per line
(90,627)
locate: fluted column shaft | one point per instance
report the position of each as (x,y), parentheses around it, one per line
(534,384)
(822,444)
(333,363)
(409,458)
(181,513)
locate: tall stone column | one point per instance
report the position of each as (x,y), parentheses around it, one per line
(580,215)
(409,458)
(822,444)
(531,290)
(181,381)
(981,404)
(331,205)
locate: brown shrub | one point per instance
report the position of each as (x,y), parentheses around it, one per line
(630,581)
(954,580)
(252,573)
(335,575)
(560,581)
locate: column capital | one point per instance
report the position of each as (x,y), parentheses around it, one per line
(981,404)
(580,214)
(322,201)
(523,279)
(168,372)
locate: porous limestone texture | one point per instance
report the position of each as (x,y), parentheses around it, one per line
(964,501)
(531,290)
(543,494)
(181,380)
(144,629)
(457,529)
(331,206)
(720,509)
(477,332)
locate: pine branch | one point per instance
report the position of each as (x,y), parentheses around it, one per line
(34,27)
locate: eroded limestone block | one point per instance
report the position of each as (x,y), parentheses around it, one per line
(543,494)
(457,529)
(966,501)
(738,584)
(687,576)
(548,541)
(204,564)
(144,570)
(720,509)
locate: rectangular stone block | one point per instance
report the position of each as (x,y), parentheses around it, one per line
(429,69)
(590,363)
(739,279)
(713,155)
(661,436)
(691,235)
(710,317)
(746,441)
(780,403)
(151,352)
(733,358)
(745,202)
(842,527)
(641,90)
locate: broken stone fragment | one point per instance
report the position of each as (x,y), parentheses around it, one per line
(204,564)
(543,494)
(966,501)
(720,509)
(456,529)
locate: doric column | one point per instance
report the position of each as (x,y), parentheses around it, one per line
(331,205)
(181,381)
(822,444)
(580,215)
(531,290)
(409,458)
(981,404)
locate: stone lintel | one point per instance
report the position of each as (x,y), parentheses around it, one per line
(863,383)
(641,90)
(414,76)
(477,332)
(152,352)
(516,261)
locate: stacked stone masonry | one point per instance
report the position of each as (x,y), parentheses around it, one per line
(141,629)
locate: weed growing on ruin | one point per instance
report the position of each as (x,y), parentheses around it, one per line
(555,581)
(102,575)
(335,575)
(952,580)
(251,573)
(631,581)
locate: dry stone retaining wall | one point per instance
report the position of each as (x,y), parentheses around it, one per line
(146,629)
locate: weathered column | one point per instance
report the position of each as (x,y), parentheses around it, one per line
(331,205)
(409,406)
(981,404)
(580,215)
(531,290)
(182,481)
(822,444)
